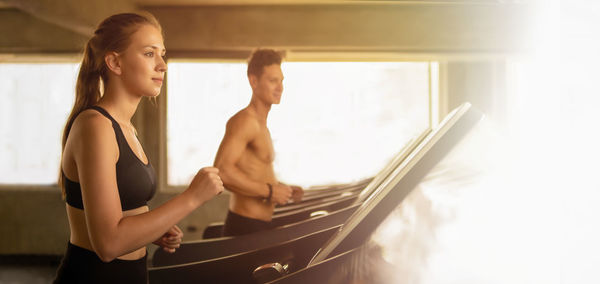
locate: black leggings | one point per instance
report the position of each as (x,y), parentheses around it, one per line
(236,224)
(80,265)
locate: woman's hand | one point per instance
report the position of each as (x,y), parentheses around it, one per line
(206,184)
(171,240)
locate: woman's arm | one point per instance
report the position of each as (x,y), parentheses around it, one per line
(111,234)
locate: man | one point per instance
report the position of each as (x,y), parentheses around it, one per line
(245,157)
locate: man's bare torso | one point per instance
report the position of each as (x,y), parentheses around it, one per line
(256,162)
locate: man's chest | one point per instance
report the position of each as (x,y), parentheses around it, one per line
(262,146)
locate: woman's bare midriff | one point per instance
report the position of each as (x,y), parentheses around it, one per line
(79,234)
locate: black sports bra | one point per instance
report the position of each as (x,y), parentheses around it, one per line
(136,181)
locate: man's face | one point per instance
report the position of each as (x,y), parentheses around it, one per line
(269,86)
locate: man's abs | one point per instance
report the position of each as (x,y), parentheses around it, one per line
(251,207)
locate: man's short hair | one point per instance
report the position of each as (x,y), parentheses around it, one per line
(261,58)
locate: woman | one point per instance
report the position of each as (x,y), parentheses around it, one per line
(106,176)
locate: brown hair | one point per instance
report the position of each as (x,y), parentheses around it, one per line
(261,58)
(113,34)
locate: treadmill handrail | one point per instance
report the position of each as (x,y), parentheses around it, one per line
(260,239)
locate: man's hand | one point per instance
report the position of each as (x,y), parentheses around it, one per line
(281,194)
(170,240)
(297,193)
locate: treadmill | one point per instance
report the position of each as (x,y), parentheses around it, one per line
(318,219)
(306,254)
(337,261)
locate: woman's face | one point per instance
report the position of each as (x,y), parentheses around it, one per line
(142,63)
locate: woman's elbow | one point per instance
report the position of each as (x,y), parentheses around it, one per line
(106,258)
(106,253)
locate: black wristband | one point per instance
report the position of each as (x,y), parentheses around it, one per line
(268,199)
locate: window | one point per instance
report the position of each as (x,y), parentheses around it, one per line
(337,121)
(36,100)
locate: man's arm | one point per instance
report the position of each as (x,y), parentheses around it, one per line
(239,133)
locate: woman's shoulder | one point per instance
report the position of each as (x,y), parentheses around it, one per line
(91,123)
(91,118)
(93,136)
